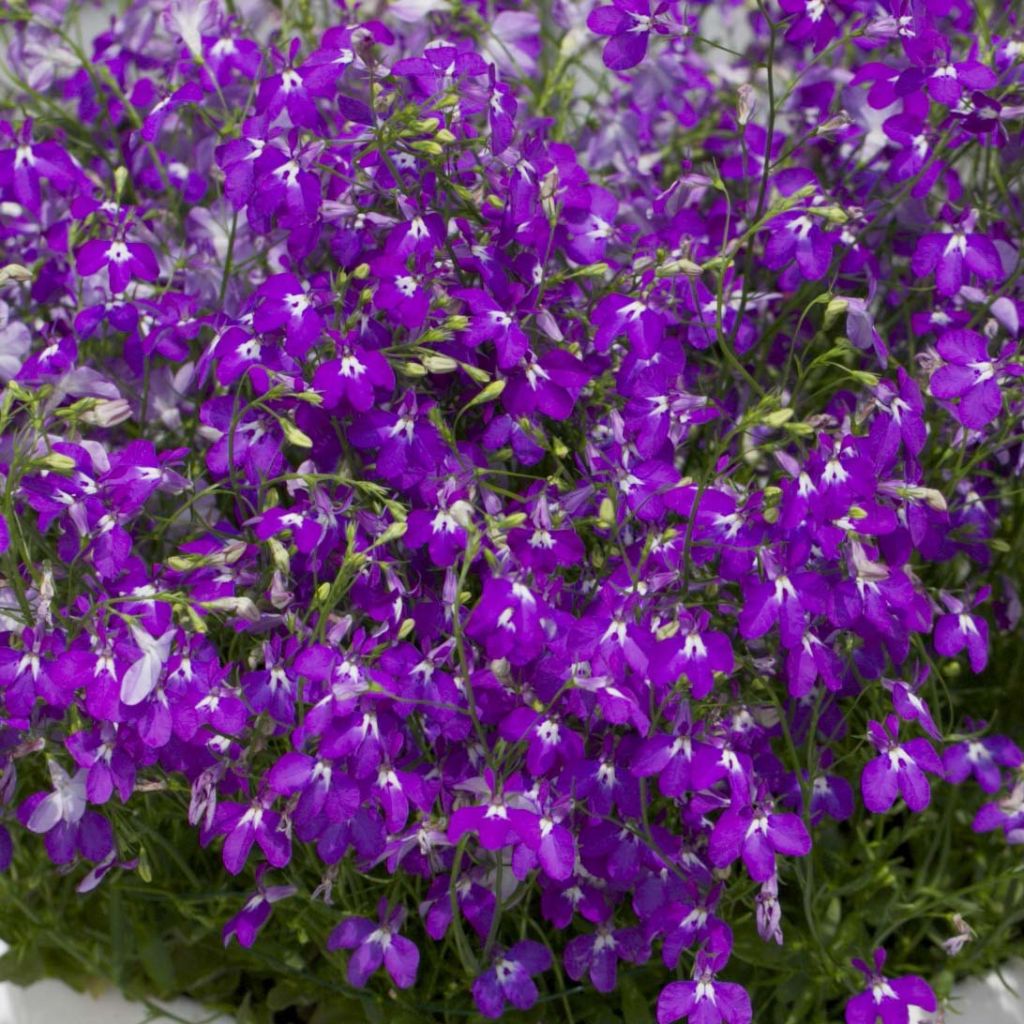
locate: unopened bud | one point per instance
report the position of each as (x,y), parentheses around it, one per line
(746,103)
(777,418)
(412,369)
(440,364)
(462,512)
(393,532)
(56,462)
(294,436)
(15,272)
(107,413)
(834,124)
(475,373)
(243,607)
(676,267)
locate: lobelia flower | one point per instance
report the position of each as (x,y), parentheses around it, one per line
(63,819)
(246,924)
(28,163)
(629,23)
(122,260)
(377,943)
(960,629)
(489,322)
(954,256)
(812,22)
(757,834)
(245,825)
(981,758)
(898,770)
(597,955)
(970,375)
(887,999)
(142,676)
(705,999)
(797,237)
(508,980)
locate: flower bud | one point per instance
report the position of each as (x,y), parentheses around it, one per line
(440,364)
(680,266)
(107,413)
(746,103)
(294,436)
(56,462)
(462,512)
(243,607)
(15,272)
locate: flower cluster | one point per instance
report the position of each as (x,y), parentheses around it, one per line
(500,506)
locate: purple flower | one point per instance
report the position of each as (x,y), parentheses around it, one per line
(953,257)
(970,375)
(887,998)
(248,825)
(508,979)
(812,22)
(757,834)
(629,23)
(983,759)
(246,924)
(61,816)
(960,629)
(598,954)
(377,943)
(898,770)
(799,237)
(705,999)
(121,259)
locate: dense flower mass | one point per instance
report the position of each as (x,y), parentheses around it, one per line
(541,538)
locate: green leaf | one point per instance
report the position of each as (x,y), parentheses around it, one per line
(635,1007)
(157,963)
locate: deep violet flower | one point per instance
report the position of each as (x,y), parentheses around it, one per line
(887,999)
(705,999)
(970,375)
(757,834)
(899,769)
(508,980)
(629,24)
(429,480)
(377,943)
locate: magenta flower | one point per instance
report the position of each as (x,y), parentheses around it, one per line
(757,834)
(969,375)
(245,826)
(508,980)
(887,998)
(705,999)
(899,770)
(246,924)
(598,953)
(960,629)
(982,758)
(629,23)
(954,256)
(377,943)
(122,260)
